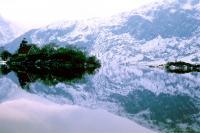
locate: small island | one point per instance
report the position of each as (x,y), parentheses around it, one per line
(181,67)
(50,64)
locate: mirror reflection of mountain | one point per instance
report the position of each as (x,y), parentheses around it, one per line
(163,101)
(49,64)
(166,111)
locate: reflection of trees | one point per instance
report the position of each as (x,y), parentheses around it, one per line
(49,77)
(49,73)
(164,110)
(4,69)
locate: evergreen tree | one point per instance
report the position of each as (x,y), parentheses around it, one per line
(5,55)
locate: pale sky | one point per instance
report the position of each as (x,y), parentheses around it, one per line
(34,13)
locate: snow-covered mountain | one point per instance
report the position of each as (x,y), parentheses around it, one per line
(166,30)
(8,31)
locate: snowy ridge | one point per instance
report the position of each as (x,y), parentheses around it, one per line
(8,31)
(153,32)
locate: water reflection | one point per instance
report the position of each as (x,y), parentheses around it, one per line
(152,97)
(175,113)
(27,75)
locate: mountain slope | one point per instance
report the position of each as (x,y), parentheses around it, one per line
(161,32)
(8,31)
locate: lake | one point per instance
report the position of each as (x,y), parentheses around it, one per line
(150,97)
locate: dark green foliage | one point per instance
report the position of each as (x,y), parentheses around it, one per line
(33,50)
(49,64)
(5,55)
(181,67)
(47,50)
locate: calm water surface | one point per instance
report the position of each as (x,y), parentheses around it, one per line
(151,97)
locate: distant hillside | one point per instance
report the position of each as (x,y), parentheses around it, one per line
(165,31)
(8,31)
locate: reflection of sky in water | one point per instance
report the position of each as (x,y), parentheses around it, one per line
(153,98)
(34,116)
